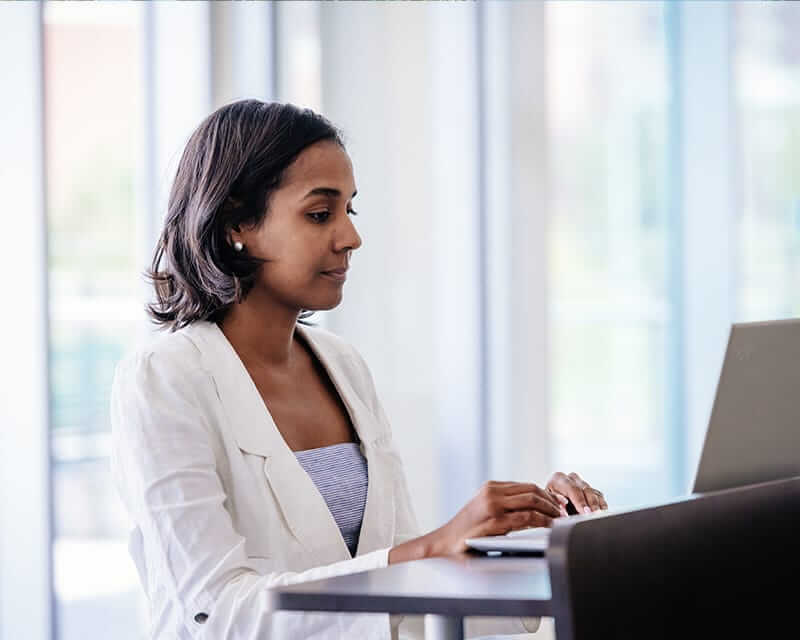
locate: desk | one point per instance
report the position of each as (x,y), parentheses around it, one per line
(721,560)
(444,589)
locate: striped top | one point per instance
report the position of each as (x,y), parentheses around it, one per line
(340,473)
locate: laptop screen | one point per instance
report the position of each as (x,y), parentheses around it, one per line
(753,434)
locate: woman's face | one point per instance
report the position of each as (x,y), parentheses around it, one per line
(307,232)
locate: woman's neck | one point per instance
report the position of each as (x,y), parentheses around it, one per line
(261,333)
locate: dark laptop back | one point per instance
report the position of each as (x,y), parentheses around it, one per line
(715,565)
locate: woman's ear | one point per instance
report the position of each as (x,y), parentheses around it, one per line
(234,235)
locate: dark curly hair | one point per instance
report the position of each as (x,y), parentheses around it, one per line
(231,165)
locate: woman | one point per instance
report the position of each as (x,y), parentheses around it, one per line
(229,430)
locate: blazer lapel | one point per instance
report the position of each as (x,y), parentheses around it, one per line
(378,525)
(305,511)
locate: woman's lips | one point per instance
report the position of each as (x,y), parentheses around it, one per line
(337,274)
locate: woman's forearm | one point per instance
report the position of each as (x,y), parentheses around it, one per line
(425,546)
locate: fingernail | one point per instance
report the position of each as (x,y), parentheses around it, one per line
(587,510)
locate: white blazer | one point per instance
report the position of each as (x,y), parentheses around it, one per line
(222,509)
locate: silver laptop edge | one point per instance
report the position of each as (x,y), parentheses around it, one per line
(753,432)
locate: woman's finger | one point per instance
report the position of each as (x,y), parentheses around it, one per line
(547,495)
(578,481)
(563,501)
(511,488)
(601,499)
(531,501)
(565,485)
(525,519)
(592,499)
(512,521)
(516,488)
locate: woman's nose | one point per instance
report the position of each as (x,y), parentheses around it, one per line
(347,236)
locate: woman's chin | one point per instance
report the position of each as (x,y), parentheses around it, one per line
(324,304)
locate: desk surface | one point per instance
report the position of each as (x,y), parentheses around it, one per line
(460,585)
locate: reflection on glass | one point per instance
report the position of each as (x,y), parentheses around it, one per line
(607,116)
(767,80)
(93,107)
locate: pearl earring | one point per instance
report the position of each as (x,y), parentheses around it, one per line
(238,246)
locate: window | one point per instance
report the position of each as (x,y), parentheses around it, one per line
(563,194)
(93,140)
(607,98)
(767,95)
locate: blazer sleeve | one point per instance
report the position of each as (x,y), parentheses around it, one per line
(412,627)
(164,457)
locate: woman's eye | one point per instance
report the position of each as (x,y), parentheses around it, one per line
(319,216)
(322,216)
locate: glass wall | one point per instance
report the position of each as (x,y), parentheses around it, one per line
(93,110)
(552,127)
(767,100)
(607,97)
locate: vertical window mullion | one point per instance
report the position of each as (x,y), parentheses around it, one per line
(26,585)
(707,214)
(457,264)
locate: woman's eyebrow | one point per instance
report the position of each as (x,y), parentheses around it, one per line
(327,191)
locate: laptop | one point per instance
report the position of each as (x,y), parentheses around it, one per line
(753,433)
(532,540)
(522,541)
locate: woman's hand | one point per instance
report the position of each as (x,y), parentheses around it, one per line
(571,487)
(499,507)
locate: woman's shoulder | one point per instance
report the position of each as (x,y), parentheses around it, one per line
(168,353)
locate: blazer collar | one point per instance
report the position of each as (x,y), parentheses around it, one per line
(254,429)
